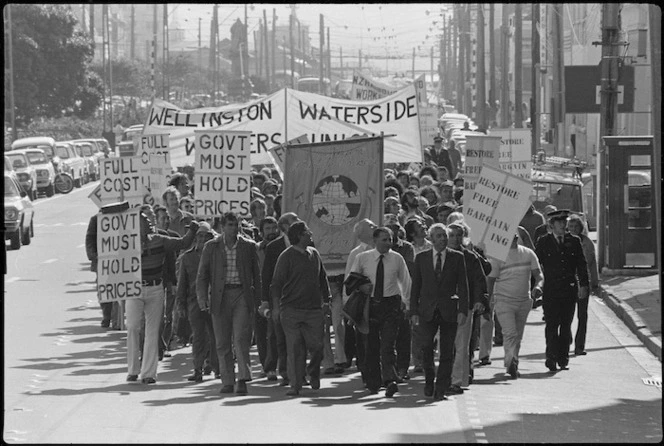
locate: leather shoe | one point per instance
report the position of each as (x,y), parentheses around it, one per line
(272,375)
(284,382)
(226,389)
(373,391)
(512,370)
(428,388)
(148,380)
(562,363)
(241,387)
(485,361)
(551,365)
(391,389)
(105,323)
(403,374)
(132,378)
(315,382)
(439,396)
(293,392)
(580,352)
(197,377)
(454,390)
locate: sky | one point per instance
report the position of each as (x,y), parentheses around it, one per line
(393,29)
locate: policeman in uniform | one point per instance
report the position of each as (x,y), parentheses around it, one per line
(565,280)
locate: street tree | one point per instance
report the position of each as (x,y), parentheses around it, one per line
(51,57)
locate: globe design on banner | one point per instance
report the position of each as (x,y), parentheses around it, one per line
(336,200)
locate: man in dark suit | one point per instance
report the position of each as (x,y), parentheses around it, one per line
(229,284)
(439,300)
(440,155)
(565,281)
(276,339)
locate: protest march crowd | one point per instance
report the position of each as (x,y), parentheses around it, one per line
(414,292)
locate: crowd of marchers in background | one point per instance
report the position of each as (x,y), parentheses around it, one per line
(430,295)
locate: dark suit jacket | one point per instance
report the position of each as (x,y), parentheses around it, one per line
(477,287)
(272,251)
(212,273)
(428,293)
(564,268)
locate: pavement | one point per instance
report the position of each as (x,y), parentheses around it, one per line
(636,300)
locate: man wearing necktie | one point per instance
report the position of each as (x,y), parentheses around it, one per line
(565,280)
(439,301)
(391,281)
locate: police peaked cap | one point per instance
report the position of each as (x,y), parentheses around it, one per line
(561,214)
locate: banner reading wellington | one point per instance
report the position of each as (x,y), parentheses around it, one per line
(289,113)
(332,186)
(480,151)
(119,250)
(495,208)
(515,151)
(222,173)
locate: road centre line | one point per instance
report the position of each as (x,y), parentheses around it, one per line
(49,261)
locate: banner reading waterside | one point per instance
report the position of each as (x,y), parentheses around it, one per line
(222,173)
(289,113)
(119,250)
(332,186)
(494,209)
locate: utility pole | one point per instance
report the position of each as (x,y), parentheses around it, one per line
(200,55)
(92,21)
(110,65)
(266,52)
(321,62)
(504,74)
(154,50)
(492,65)
(655,29)
(467,93)
(103,67)
(300,47)
(608,112)
(442,69)
(535,77)
(164,54)
(292,54)
(518,66)
(341,58)
(11,72)
(413,68)
(558,113)
(274,45)
(132,48)
(360,60)
(455,38)
(258,57)
(461,75)
(481,82)
(329,62)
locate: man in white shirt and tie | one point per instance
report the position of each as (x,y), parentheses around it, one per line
(391,281)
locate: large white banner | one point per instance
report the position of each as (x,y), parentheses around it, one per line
(494,209)
(515,151)
(222,173)
(428,124)
(287,114)
(364,88)
(278,153)
(480,151)
(120,179)
(119,256)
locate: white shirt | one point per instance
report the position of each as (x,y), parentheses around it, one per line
(442,258)
(423,247)
(396,279)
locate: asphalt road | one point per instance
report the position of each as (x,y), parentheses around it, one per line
(64,377)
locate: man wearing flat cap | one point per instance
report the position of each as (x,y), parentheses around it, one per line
(565,280)
(440,155)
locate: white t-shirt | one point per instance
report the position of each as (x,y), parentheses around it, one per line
(513,275)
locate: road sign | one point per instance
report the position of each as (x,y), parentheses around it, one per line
(583,84)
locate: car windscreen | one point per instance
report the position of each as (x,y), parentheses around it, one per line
(18,160)
(86,150)
(62,152)
(562,196)
(10,188)
(36,157)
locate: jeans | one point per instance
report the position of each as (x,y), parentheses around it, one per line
(304,332)
(462,365)
(380,361)
(513,315)
(232,331)
(150,305)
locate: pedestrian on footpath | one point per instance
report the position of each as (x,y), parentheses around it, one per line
(300,286)
(391,281)
(150,305)
(509,287)
(575,227)
(566,280)
(229,284)
(439,302)
(277,355)
(91,252)
(477,300)
(203,345)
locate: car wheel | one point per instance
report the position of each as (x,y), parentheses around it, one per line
(15,240)
(25,238)
(50,190)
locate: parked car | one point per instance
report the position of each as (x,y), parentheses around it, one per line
(25,172)
(9,169)
(70,162)
(19,214)
(132,131)
(44,168)
(46,143)
(84,150)
(100,147)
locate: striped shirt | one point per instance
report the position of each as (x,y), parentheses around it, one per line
(513,275)
(232,271)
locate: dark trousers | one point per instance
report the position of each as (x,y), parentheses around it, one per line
(558,315)
(260,336)
(497,330)
(384,318)
(203,345)
(106,309)
(427,332)
(304,333)
(349,343)
(582,316)
(355,344)
(166,326)
(475,335)
(403,344)
(276,354)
